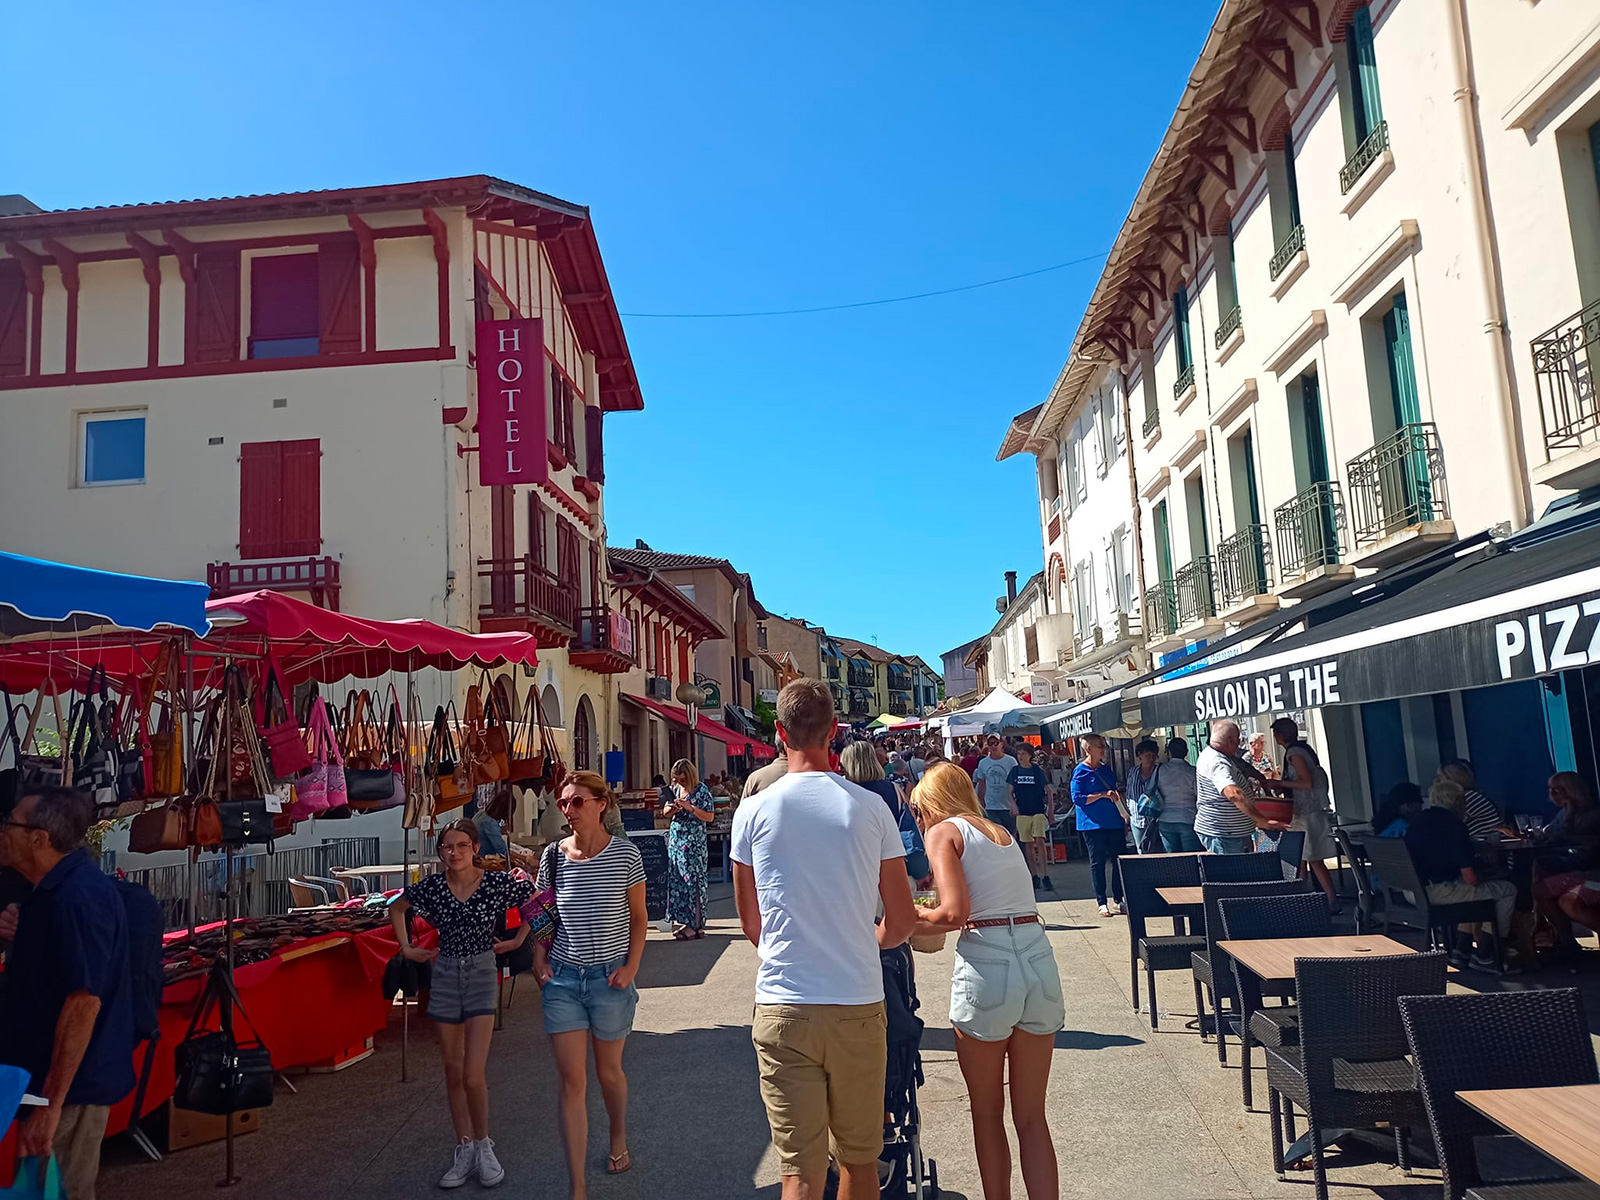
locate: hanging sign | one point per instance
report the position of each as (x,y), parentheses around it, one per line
(512,442)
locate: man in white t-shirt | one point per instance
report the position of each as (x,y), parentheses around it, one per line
(813,855)
(994,792)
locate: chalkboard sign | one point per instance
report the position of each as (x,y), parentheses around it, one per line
(653,849)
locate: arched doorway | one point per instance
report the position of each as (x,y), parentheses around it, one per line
(583,754)
(552,706)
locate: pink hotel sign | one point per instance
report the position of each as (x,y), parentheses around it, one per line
(512,442)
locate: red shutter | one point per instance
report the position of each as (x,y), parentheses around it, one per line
(260,499)
(301,492)
(481,308)
(567,555)
(283,296)
(213,322)
(339,296)
(536,546)
(569,430)
(13,319)
(594,450)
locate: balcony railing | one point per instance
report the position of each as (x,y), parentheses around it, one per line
(1161,609)
(1563,367)
(860,676)
(604,629)
(1292,245)
(1184,382)
(1366,154)
(833,670)
(860,703)
(1152,419)
(900,681)
(1398,483)
(899,705)
(1244,565)
(319,576)
(1197,590)
(518,587)
(1310,530)
(1230,324)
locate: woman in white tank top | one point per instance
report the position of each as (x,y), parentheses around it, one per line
(1005,991)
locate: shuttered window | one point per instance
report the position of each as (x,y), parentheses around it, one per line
(1363,74)
(1180,321)
(285,321)
(537,538)
(280,498)
(594,451)
(567,555)
(339,297)
(13,319)
(211,321)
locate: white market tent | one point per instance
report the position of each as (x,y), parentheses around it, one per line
(984,716)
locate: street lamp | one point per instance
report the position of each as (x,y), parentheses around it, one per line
(691,696)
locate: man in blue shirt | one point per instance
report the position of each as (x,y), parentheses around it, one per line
(1094,802)
(69,1019)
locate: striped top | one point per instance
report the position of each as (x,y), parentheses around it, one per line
(592,902)
(1216,815)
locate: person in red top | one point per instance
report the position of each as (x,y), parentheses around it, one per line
(970,760)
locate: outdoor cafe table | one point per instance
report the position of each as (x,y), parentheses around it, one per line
(1563,1122)
(1183,896)
(368,873)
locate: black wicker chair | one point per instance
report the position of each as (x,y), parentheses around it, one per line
(1497,1040)
(1369,898)
(1350,1067)
(1292,852)
(1275,916)
(1141,876)
(1390,861)
(1210,966)
(1240,868)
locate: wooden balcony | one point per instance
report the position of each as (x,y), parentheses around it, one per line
(319,577)
(604,642)
(518,596)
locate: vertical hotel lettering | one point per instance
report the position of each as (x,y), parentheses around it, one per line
(512,442)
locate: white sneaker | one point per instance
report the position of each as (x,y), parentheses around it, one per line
(490,1172)
(1105,910)
(466,1161)
(1122,908)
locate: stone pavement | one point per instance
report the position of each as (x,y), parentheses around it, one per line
(1134,1114)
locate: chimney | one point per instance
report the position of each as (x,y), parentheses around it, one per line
(1011,588)
(640,544)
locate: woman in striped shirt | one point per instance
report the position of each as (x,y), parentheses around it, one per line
(587,972)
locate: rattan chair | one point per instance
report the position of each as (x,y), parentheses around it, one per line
(1369,898)
(1291,850)
(1350,1067)
(1496,1040)
(1390,860)
(1240,868)
(1141,876)
(1210,966)
(1273,916)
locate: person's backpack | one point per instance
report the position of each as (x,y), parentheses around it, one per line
(917,864)
(145,923)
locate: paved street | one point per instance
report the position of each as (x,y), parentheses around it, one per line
(1134,1114)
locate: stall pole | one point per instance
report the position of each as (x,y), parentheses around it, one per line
(229,1177)
(183,713)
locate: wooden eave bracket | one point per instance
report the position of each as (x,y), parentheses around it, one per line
(364,237)
(67,260)
(184,249)
(441,235)
(1276,55)
(1217,160)
(149,254)
(32,267)
(1237,123)
(1300,16)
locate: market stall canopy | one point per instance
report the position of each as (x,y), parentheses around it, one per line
(42,597)
(1098,714)
(884,721)
(1492,612)
(984,716)
(737,743)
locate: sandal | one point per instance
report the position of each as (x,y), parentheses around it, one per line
(682,935)
(698,934)
(616,1164)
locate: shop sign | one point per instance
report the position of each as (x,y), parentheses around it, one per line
(512,443)
(769,695)
(1094,717)
(713,700)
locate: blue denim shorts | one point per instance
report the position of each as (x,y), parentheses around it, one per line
(1005,978)
(579,998)
(463,988)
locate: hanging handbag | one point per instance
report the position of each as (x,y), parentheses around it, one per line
(443,769)
(554,776)
(397,751)
(286,744)
(157,829)
(92,749)
(10,777)
(527,753)
(418,787)
(165,774)
(240,818)
(362,749)
(131,750)
(37,768)
(215,1073)
(484,739)
(320,786)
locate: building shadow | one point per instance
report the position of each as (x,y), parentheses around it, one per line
(669,964)
(943,1038)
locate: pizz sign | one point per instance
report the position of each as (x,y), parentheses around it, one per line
(513,446)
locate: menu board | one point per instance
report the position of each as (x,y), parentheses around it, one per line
(653,850)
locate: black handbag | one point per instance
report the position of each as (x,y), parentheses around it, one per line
(366,787)
(246,822)
(218,1074)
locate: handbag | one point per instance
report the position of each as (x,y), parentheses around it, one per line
(527,752)
(417,785)
(92,744)
(245,822)
(36,768)
(320,786)
(539,910)
(485,738)
(155,829)
(443,769)
(36,1179)
(239,819)
(10,777)
(286,744)
(131,751)
(165,773)
(215,1073)
(917,865)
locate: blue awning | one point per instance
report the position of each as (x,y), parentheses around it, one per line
(37,596)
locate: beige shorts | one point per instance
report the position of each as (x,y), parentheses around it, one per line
(822,1072)
(1031,826)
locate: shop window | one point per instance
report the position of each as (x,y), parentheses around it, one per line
(284,320)
(110,448)
(280,498)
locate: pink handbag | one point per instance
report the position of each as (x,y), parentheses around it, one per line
(321,786)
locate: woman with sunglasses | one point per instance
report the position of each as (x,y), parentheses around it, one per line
(587,971)
(465,904)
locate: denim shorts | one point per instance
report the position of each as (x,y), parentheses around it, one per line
(1216,844)
(1005,978)
(463,988)
(579,998)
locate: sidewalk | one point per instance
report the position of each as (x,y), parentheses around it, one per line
(1135,1114)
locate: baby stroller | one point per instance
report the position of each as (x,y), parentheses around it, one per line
(902,1171)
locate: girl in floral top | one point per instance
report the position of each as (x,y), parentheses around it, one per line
(465,904)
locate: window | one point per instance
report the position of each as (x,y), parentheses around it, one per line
(688,590)
(1107,428)
(1180,329)
(1366,108)
(1072,456)
(538,537)
(1227,272)
(280,498)
(284,306)
(567,555)
(1121,566)
(563,431)
(111,448)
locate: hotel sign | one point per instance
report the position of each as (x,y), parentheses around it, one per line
(512,443)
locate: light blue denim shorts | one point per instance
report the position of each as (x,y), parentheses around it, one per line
(579,998)
(1005,978)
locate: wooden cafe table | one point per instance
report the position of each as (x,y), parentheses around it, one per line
(1563,1122)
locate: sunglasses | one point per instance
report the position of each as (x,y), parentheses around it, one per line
(567,802)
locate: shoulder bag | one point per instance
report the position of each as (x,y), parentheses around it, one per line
(10,776)
(417,784)
(446,781)
(539,910)
(164,760)
(156,829)
(37,769)
(321,785)
(286,744)
(527,754)
(216,1073)
(94,763)
(484,738)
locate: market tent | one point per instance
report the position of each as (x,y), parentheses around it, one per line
(884,721)
(984,716)
(38,597)
(737,743)
(1101,714)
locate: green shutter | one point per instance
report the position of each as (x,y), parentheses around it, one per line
(1163,544)
(1316,440)
(1294,186)
(1180,316)
(1233,272)
(1414,480)
(1363,73)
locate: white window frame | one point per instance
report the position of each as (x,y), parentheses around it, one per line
(84,419)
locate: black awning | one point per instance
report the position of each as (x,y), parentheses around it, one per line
(1519,608)
(1098,714)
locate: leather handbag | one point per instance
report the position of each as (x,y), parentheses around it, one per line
(36,767)
(205,821)
(485,739)
(245,822)
(156,829)
(320,786)
(418,790)
(10,777)
(93,744)
(286,744)
(446,779)
(215,1072)
(555,770)
(527,752)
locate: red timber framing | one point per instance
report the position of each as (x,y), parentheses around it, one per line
(33,280)
(516,265)
(667,626)
(150,256)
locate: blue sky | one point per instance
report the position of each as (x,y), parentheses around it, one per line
(736,157)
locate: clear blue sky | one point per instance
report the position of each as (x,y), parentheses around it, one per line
(736,157)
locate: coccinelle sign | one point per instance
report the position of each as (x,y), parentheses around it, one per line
(512,443)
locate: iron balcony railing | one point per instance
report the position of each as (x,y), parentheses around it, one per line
(833,670)
(1310,530)
(1197,590)
(1230,323)
(900,680)
(1398,483)
(1292,245)
(1184,382)
(860,676)
(1152,419)
(899,704)
(1161,609)
(1244,565)
(1563,369)
(1366,154)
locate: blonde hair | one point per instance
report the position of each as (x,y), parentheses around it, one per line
(1575,787)
(683,767)
(946,791)
(859,761)
(1446,793)
(594,783)
(1455,772)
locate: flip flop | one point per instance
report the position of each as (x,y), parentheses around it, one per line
(682,935)
(625,1159)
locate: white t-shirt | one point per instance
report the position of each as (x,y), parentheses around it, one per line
(816,843)
(994,772)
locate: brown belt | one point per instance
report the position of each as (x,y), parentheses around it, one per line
(990,922)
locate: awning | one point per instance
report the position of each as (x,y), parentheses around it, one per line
(1098,714)
(737,743)
(1518,608)
(38,596)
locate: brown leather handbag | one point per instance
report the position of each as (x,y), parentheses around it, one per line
(527,753)
(486,737)
(445,772)
(155,829)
